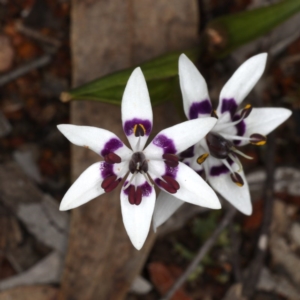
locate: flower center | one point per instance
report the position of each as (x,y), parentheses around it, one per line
(138,163)
(218,146)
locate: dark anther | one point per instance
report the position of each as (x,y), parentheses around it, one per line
(237,179)
(218,146)
(110,183)
(169,188)
(112,158)
(246,111)
(171,181)
(214,114)
(258,139)
(135,195)
(139,130)
(138,163)
(171,160)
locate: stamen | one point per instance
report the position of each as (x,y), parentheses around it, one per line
(171,160)
(171,181)
(258,139)
(169,188)
(201,159)
(135,195)
(236,160)
(246,111)
(129,182)
(214,114)
(112,158)
(237,179)
(110,183)
(244,114)
(139,130)
(240,153)
(225,162)
(146,175)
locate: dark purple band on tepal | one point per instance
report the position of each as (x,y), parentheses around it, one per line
(106,169)
(111,146)
(165,143)
(145,187)
(229,105)
(197,108)
(240,127)
(218,170)
(129,126)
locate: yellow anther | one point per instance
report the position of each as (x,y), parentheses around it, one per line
(201,159)
(247,106)
(139,130)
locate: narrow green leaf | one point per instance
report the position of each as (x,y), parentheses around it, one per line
(232,31)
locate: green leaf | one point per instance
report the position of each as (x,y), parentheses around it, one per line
(160,74)
(230,32)
(221,37)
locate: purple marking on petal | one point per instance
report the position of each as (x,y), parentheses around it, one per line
(229,105)
(203,107)
(240,127)
(129,125)
(165,143)
(189,152)
(106,169)
(218,170)
(146,189)
(171,171)
(111,146)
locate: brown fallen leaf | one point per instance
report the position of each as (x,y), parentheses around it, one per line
(253,222)
(163,277)
(40,292)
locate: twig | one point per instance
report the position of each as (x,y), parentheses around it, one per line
(24,69)
(37,35)
(253,272)
(202,252)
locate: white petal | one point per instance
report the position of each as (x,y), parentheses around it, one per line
(137,218)
(239,197)
(84,189)
(177,138)
(241,83)
(195,96)
(136,109)
(193,189)
(265,120)
(166,205)
(99,140)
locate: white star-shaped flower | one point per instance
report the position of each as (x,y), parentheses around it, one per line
(156,163)
(216,154)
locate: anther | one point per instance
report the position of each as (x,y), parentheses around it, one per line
(112,158)
(214,114)
(110,183)
(171,181)
(171,160)
(237,179)
(135,195)
(201,159)
(246,111)
(258,139)
(139,130)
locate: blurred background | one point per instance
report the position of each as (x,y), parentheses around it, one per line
(48,47)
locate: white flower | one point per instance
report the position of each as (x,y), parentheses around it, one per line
(157,161)
(216,154)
